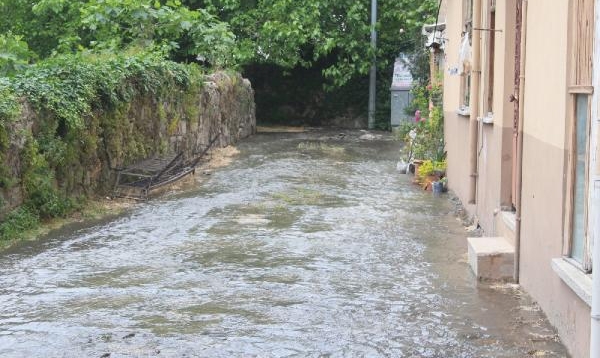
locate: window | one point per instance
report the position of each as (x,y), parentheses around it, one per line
(467,16)
(491,49)
(579,147)
(465,57)
(577,244)
(465,90)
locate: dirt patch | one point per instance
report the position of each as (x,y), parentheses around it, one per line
(222,157)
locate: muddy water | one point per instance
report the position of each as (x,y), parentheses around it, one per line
(308,245)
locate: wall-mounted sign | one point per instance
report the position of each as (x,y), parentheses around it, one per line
(402,78)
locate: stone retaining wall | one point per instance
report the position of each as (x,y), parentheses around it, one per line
(141,128)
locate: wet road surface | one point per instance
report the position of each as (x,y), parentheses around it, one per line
(309,244)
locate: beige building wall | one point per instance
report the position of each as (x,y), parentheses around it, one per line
(544,172)
(456,126)
(544,150)
(495,139)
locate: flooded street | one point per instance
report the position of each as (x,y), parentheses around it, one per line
(309,244)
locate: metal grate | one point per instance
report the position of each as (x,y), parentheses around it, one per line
(138,180)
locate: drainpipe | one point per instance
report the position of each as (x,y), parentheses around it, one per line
(474,103)
(595,330)
(519,177)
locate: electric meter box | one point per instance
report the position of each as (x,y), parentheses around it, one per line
(400,92)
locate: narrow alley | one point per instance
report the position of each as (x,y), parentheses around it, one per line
(308,244)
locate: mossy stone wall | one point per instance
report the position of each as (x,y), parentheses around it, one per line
(181,119)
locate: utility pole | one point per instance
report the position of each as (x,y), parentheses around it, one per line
(373,76)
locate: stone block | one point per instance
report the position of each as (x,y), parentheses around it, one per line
(491,258)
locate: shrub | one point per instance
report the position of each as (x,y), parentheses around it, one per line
(68,94)
(425,139)
(16,223)
(431,168)
(14,53)
(440,167)
(425,169)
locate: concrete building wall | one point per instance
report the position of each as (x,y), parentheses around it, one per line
(495,139)
(544,150)
(544,172)
(456,126)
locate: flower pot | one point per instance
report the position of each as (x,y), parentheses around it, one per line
(402,167)
(416,164)
(427,182)
(437,187)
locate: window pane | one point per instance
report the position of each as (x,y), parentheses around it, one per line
(579,182)
(491,55)
(467,93)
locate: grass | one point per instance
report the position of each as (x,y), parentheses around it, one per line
(23,225)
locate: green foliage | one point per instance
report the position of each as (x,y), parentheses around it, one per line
(74,98)
(17,222)
(291,33)
(332,39)
(167,26)
(403,130)
(297,96)
(431,168)
(440,167)
(9,105)
(70,88)
(331,36)
(426,168)
(418,64)
(425,139)
(10,109)
(42,198)
(14,54)
(54,27)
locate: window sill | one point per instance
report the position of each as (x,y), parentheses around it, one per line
(578,281)
(488,119)
(464,111)
(510,220)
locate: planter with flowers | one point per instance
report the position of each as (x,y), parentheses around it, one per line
(424,151)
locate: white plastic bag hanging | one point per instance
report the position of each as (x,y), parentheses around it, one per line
(464,54)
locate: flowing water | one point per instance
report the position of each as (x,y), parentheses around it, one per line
(309,244)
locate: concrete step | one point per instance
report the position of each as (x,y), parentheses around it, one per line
(491,258)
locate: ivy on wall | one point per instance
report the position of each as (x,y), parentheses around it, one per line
(77,107)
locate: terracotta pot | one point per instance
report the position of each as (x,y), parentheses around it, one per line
(428,180)
(416,164)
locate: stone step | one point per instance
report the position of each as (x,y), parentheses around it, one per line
(491,258)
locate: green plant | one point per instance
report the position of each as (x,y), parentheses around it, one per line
(42,198)
(14,54)
(406,132)
(431,168)
(439,167)
(428,141)
(9,102)
(420,101)
(404,129)
(425,169)
(17,222)
(76,102)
